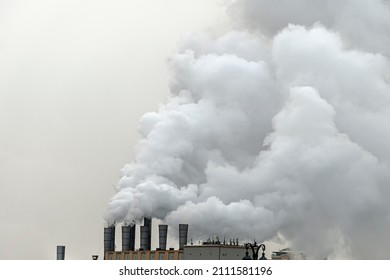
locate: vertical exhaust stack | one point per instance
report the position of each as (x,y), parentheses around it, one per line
(128,237)
(60,252)
(113,238)
(183,233)
(132,237)
(146,234)
(162,236)
(144,239)
(148,224)
(109,239)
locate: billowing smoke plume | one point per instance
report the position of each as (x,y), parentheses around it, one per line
(279,127)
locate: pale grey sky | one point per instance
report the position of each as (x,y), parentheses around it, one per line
(262,105)
(75,77)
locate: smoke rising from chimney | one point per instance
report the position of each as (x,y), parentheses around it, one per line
(280,126)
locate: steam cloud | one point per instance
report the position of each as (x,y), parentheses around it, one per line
(279,127)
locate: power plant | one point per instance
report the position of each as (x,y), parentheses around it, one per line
(209,250)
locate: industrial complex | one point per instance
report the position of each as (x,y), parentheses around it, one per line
(209,250)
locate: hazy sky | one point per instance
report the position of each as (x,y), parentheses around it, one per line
(75,77)
(278,120)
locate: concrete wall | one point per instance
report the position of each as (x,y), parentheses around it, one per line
(213,252)
(190,252)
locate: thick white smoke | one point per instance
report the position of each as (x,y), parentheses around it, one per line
(278,127)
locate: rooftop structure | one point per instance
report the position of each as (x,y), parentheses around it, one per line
(287,254)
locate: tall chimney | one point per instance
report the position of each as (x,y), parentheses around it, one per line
(148,223)
(113,238)
(128,237)
(183,233)
(60,252)
(147,229)
(144,239)
(109,238)
(162,236)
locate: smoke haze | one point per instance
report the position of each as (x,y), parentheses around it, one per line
(276,128)
(75,77)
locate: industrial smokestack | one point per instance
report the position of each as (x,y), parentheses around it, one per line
(148,223)
(128,237)
(109,238)
(183,233)
(113,238)
(162,236)
(144,239)
(60,252)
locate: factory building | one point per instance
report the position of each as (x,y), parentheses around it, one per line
(213,252)
(189,252)
(210,250)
